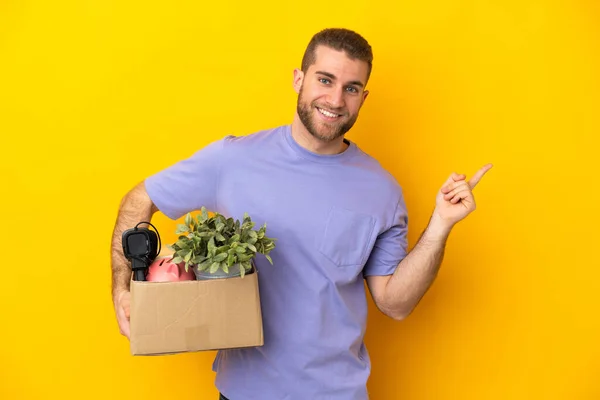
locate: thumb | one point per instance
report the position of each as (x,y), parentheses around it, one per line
(124,302)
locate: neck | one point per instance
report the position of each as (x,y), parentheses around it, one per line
(303,137)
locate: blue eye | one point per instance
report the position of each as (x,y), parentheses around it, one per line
(324,80)
(352,89)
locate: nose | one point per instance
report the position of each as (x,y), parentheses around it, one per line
(336,97)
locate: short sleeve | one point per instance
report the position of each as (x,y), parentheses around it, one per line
(189,184)
(391,245)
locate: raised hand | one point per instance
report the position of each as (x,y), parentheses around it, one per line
(455,199)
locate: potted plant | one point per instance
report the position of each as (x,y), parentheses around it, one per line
(218,247)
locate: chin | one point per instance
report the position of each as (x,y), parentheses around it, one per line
(327,137)
(327,131)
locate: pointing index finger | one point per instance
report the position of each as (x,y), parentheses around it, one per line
(479,174)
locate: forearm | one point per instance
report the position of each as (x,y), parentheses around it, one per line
(135,207)
(417,271)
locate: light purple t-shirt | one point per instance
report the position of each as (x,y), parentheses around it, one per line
(336,218)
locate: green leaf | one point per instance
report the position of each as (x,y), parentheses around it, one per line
(220,237)
(242,271)
(205,264)
(188,219)
(230,259)
(214,267)
(188,256)
(211,246)
(222,249)
(240,249)
(251,247)
(269,258)
(220,226)
(177,260)
(198,259)
(220,257)
(245,257)
(225,268)
(181,229)
(235,238)
(183,243)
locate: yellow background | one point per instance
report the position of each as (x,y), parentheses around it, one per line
(96,95)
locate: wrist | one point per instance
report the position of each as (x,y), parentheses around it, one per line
(438,228)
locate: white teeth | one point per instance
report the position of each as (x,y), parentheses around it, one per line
(327,113)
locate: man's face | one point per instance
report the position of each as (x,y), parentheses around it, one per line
(330,93)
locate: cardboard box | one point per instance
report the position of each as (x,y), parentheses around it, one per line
(175,317)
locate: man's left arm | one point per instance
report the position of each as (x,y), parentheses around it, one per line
(398,294)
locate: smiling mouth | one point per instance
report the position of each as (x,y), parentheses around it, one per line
(328,114)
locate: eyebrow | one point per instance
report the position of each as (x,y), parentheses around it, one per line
(332,76)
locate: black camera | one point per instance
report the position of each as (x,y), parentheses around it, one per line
(140,246)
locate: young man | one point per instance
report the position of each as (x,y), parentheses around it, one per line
(339,218)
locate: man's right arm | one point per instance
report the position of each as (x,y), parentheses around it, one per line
(136,206)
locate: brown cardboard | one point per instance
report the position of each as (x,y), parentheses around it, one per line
(175,317)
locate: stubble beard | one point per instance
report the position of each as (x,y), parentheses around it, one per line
(326,132)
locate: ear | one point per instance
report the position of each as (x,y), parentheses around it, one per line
(298,79)
(173,269)
(364,97)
